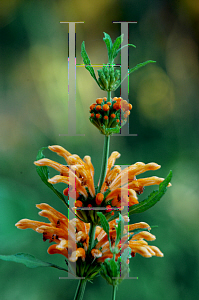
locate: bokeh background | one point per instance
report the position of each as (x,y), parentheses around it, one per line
(33,112)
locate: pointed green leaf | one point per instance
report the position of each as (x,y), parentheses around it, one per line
(29,260)
(109,45)
(116,46)
(87,62)
(114,268)
(104,273)
(104,224)
(125,46)
(44,175)
(138,66)
(152,199)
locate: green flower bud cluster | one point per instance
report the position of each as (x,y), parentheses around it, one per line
(114,271)
(109,79)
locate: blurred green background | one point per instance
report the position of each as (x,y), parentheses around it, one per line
(33,112)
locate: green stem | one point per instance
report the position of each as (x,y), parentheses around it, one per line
(104,160)
(80,289)
(114,292)
(108,96)
(92,235)
(105,153)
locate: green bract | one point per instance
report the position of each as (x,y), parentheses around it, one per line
(115,271)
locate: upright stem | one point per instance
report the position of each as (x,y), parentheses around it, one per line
(108,96)
(80,289)
(114,292)
(104,160)
(105,152)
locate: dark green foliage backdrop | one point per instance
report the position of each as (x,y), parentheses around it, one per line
(33,76)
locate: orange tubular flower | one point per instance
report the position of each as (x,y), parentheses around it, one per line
(81,175)
(136,243)
(68,235)
(124,183)
(119,188)
(57,231)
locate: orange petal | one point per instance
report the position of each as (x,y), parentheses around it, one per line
(157,251)
(144,235)
(26,223)
(60,151)
(140,167)
(138,184)
(75,159)
(53,250)
(80,252)
(113,174)
(45,206)
(52,231)
(111,162)
(102,258)
(96,253)
(59,178)
(137,225)
(57,220)
(129,173)
(88,162)
(65,179)
(87,179)
(47,162)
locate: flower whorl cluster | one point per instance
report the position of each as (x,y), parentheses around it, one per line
(71,239)
(119,188)
(109,115)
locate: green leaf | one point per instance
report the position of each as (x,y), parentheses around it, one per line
(116,46)
(125,46)
(138,66)
(29,260)
(87,62)
(44,175)
(104,273)
(113,266)
(152,199)
(104,224)
(109,45)
(119,229)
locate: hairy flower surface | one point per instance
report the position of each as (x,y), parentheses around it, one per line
(68,235)
(119,188)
